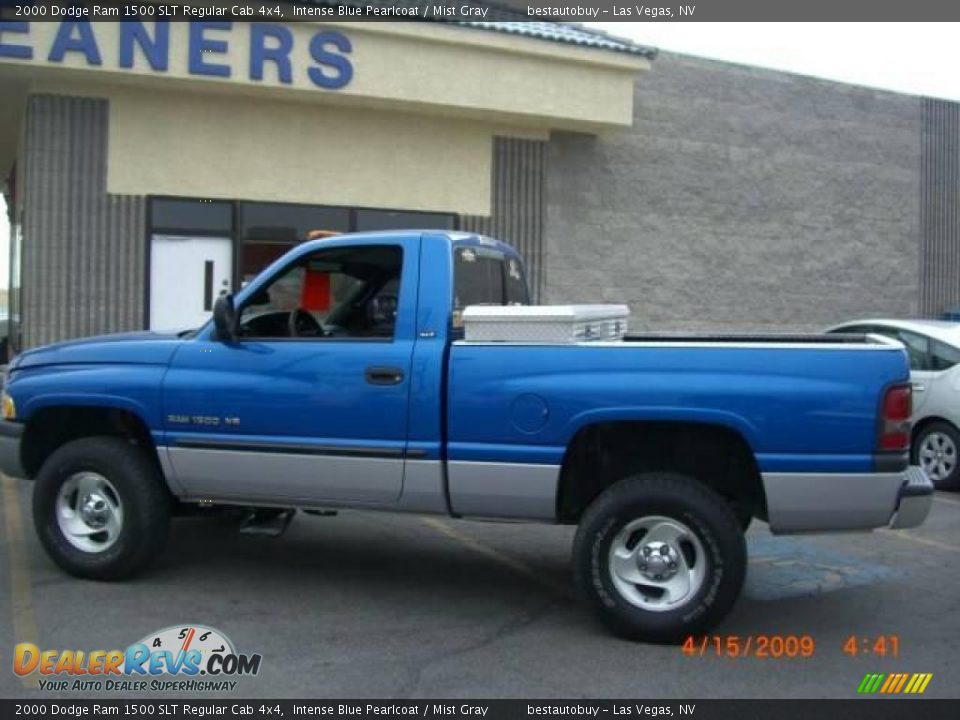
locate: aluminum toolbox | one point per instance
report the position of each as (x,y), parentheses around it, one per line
(545,323)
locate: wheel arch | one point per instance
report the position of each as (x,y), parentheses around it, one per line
(51,426)
(925,422)
(602,453)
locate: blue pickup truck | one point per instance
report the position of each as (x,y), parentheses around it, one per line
(341,377)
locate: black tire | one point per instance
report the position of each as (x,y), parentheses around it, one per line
(744,516)
(145,500)
(675,497)
(951,481)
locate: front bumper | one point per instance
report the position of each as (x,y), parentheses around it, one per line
(914,499)
(837,502)
(10,436)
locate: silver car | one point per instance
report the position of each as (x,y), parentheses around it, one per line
(934,350)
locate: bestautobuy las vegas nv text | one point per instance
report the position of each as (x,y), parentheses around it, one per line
(172,11)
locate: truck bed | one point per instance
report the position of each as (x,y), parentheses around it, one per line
(758,338)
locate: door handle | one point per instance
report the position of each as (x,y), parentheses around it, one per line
(384,375)
(919,387)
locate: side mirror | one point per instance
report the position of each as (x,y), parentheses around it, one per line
(225,318)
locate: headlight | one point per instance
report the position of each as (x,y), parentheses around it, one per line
(9,407)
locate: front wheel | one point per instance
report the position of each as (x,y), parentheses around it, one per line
(101,508)
(660,557)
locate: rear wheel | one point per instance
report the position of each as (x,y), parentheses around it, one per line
(101,508)
(744,516)
(659,557)
(937,450)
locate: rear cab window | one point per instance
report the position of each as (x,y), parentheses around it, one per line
(486,276)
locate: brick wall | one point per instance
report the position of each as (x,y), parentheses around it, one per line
(741,198)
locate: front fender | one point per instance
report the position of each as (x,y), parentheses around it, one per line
(135,389)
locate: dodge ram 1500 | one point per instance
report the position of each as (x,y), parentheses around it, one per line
(341,377)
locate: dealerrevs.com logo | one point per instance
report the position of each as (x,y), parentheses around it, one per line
(180,658)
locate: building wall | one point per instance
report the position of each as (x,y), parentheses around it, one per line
(940,208)
(517,203)
(295,152)
(427,68)
(741,198)
(82,269)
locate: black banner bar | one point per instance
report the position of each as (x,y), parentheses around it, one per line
(876,709)
(482,11)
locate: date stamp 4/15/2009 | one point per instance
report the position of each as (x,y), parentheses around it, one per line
(777,646)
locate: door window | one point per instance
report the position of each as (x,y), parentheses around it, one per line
(943,356)
(347,292)
(918,348)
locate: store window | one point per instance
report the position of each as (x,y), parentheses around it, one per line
(369,220)
(268,230)
(191,216)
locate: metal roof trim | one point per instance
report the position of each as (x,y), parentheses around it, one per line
(510,21)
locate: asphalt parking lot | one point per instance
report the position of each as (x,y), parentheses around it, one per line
(372,605)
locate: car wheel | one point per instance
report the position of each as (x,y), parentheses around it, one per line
(101,508)
(660,557)
(935,449)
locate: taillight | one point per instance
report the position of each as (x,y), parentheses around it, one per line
(895,419)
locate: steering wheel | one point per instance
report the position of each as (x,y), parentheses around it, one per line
(301,323)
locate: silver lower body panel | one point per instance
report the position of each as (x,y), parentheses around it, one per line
(284,478)
(503,490)
(825,502)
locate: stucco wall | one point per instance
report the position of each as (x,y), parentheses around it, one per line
(740,199)
(226,147)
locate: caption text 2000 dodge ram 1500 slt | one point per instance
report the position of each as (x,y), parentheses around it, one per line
(342,377)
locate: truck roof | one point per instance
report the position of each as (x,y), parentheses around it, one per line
(454,237)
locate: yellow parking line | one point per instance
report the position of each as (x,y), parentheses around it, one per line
(948,501)
(904,535)
(495,555)
(21,596)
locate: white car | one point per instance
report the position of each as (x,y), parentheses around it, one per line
(934,350)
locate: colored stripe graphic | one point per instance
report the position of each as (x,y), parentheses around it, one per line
(895,683)
(870,683)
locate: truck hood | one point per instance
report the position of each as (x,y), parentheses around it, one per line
(139,348)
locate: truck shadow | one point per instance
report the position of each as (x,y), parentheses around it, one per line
(366,561)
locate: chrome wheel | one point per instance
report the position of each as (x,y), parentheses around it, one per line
(89,512)
(938,455)
(657,563)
